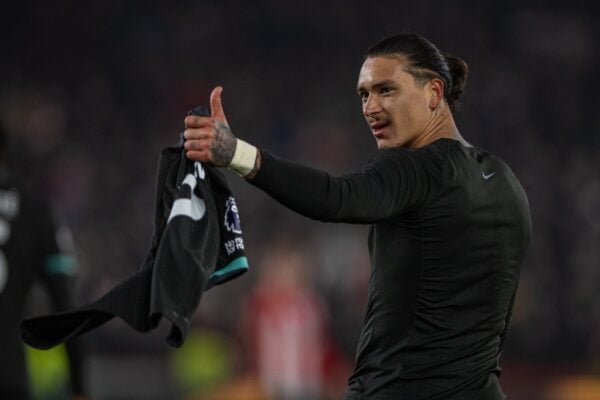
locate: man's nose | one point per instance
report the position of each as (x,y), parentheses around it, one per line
(371,105)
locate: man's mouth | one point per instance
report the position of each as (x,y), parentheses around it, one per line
(378,128)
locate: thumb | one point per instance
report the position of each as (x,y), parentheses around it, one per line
(216,107)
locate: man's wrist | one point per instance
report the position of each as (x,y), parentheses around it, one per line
(254,171)
(244,158)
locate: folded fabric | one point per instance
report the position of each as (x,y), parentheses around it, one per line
(197,243)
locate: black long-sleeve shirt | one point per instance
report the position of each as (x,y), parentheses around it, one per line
(450,228)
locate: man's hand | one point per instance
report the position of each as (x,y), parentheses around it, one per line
(209,139)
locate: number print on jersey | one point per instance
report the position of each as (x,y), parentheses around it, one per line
(10,205)
(4,236)
(3,271)
(193,207)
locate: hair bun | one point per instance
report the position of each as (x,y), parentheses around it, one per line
(459,70)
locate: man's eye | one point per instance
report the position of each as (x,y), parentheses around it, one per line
(364,96)
(385,89)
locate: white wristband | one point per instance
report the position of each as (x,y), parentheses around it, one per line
(243,159)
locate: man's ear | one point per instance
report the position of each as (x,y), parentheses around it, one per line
(437,93)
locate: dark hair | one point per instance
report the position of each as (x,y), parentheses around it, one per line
(426,62)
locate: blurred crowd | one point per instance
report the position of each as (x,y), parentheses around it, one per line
(91,91)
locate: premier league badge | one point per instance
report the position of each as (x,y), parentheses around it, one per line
(232,218)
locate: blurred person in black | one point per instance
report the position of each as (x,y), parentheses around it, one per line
(450,225)
(29,251)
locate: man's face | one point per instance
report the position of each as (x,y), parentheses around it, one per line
(395,106)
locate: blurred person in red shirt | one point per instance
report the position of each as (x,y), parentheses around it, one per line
(286,326)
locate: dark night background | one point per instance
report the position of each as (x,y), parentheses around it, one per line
(90,92)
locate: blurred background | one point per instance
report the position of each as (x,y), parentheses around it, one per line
(91,91)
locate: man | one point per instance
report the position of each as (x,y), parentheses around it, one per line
(28,252)
(450,225)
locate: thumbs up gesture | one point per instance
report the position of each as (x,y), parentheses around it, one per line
(209,139)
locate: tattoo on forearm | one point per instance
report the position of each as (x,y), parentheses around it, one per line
(223,145)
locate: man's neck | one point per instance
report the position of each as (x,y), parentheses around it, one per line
(441,126)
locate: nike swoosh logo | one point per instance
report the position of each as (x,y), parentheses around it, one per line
(487,176)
